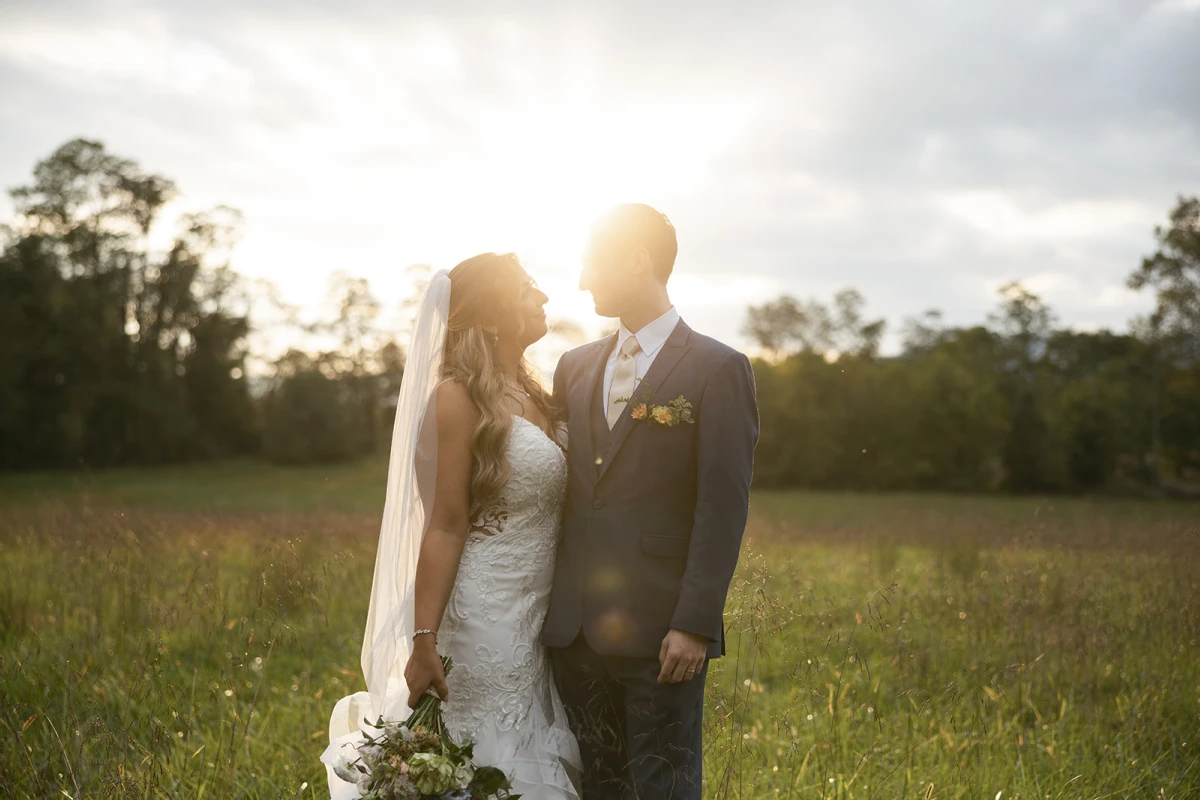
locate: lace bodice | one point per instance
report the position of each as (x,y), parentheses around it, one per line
(510,551)
(501,694)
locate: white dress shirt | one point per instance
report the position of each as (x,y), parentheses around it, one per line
(650,339)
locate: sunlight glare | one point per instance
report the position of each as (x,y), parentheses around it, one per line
(548,172)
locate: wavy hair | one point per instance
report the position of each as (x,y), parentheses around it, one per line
(485,293)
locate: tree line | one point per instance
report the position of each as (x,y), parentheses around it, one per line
(114,352)
(1015,404)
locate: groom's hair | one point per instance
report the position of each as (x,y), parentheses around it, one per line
(632,225)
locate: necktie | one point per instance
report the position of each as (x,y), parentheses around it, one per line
(624,380)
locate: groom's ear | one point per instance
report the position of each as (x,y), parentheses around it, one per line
(642,263)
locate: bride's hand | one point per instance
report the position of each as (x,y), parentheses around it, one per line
(424,669)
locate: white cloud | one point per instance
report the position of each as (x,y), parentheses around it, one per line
(1050,282)
(140,55)
(1176,6)
(1001,216)
(920,152)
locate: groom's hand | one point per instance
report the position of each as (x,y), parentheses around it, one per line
(682,656)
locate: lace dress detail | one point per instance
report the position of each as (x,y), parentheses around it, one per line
(501,692)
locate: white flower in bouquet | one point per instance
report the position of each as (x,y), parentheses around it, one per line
(348,771)
(417,758)
(371,752)
(433,774)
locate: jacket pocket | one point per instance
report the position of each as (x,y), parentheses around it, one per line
(665,546)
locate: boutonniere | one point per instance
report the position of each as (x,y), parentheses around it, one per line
(676,412)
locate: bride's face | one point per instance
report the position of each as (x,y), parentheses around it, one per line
(530,325)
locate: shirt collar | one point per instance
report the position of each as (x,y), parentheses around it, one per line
(652,337)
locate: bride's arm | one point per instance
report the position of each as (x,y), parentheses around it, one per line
(446,534)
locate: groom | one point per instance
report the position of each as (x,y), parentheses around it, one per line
(662,429)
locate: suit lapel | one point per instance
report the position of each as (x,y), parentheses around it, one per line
(592,378)
(672,352)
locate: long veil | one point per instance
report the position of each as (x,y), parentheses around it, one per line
(387,640)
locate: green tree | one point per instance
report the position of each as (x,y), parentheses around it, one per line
(1103,411)
(308,414)
(850,334)
(956,419)
(1031,456)
(337,403)
(1173,272)
(99,358)
(1172,333)
(786,326)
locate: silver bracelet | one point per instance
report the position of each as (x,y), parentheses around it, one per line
(426,630)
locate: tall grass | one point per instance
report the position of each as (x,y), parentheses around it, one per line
(1040,673)
(879,648)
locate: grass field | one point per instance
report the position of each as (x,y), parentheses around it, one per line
(184,633)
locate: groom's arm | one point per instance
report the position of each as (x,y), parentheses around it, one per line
(728,432)
(560,383)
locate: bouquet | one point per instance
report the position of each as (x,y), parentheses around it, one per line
(417,760)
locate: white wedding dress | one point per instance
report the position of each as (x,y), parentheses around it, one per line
(502,695)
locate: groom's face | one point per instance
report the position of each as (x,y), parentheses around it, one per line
(612,276)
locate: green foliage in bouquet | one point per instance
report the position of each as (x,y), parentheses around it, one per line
(418,760)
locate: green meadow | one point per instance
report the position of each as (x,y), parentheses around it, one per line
(184,632)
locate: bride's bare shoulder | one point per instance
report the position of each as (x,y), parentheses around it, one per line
(453,404)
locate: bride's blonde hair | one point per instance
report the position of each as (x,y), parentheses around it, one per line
(485,295)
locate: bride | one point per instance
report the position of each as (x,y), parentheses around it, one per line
(476,486)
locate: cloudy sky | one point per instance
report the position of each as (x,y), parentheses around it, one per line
(924,152)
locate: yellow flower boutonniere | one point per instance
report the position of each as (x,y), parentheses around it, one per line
(676,412)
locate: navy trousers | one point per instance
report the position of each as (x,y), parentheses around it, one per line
(640,740)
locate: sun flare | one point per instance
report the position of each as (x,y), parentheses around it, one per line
(549,171)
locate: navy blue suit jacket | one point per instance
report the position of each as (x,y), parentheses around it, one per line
(655,514)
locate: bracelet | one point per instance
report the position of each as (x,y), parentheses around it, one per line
(426,630)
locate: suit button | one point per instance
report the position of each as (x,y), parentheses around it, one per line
(599,504)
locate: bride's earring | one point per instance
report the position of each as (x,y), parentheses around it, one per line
(493,334)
